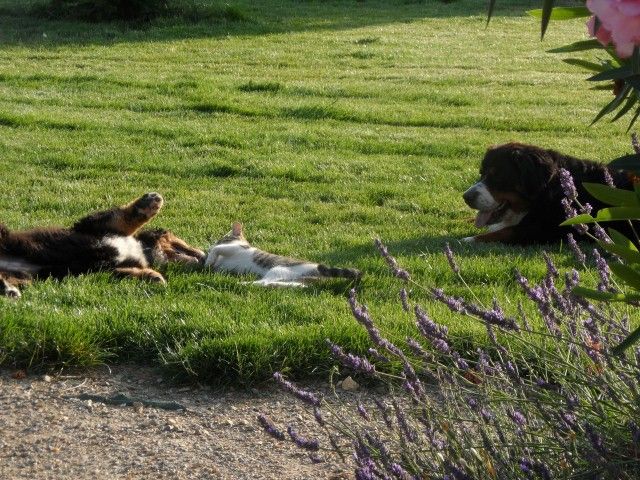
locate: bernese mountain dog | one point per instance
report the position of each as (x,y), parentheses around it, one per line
(108,240)
(518,196)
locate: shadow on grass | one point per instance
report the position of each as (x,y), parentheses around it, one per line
(426,245)
(18,26)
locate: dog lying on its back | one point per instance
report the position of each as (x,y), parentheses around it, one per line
(519,194)
(108,240)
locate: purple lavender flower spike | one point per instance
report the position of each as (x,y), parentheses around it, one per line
(361,314)
(317,414)
(427,327)
(420,352)
(569,420)
(460,362)
(608,179)
(391,261)
(526,465)
(378,356)
(586,208)
(635,433)
(595,439)
(400,472)
(600,234)
(408,432)
(577,252)
(551,268)
(363,412)
(570,212)
(635,143)
(484,363)
(457,473)
(454,304)
(542,470)
(517,417)
(573,401)
(494,317)
(603,271)
(452,261)
(568,187)
(307,444)
(303,395)
(351,361)
(492,337)
(269,427)
(487,415)
(384,410)
(405,300)
(523,317)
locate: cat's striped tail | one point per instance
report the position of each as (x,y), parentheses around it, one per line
(335,272)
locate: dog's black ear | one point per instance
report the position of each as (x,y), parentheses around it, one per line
(536,168)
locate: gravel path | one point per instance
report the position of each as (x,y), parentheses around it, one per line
(46,432)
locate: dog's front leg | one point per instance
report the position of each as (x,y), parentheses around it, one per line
(504,235)
(140,273)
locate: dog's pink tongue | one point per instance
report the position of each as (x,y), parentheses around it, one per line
(482,218)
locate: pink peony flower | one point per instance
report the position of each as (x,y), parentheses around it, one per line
(619,24)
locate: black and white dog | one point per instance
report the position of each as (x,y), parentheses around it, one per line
(518,196)
(107,240)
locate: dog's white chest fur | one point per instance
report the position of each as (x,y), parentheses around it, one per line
(17,264)
(128,248)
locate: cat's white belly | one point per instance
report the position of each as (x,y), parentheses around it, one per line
(239,263)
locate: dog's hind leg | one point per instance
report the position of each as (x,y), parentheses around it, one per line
(125,220)
(140,273)
(10,281)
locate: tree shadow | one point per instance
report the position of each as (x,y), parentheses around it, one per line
(19,26)
(426,245)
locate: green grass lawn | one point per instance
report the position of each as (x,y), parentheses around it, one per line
(318,124)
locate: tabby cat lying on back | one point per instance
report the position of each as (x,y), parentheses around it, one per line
(233,253)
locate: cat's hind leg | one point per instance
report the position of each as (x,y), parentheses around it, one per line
(276,283)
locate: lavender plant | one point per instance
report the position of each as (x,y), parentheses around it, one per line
(552,402)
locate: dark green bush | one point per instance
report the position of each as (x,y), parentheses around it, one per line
(106,10)
(138,10)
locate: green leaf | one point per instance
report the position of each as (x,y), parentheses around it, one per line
(492,4)
(594,67)
(615,103)
(582,218)
(627,274)
(547,9)
(604,296)
(611,195)
(620,240)
(605,215)
(635,60)
(601,86)
(617,213)
(613,74)
(631,101)
(627,342)
(562,13)
(627,162)
(633,119)
(625,253)
(577,47)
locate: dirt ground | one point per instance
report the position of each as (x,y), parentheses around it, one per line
(47,432)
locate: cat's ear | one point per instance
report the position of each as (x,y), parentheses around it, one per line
(236,228)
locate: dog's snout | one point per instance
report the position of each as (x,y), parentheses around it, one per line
(470,196)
